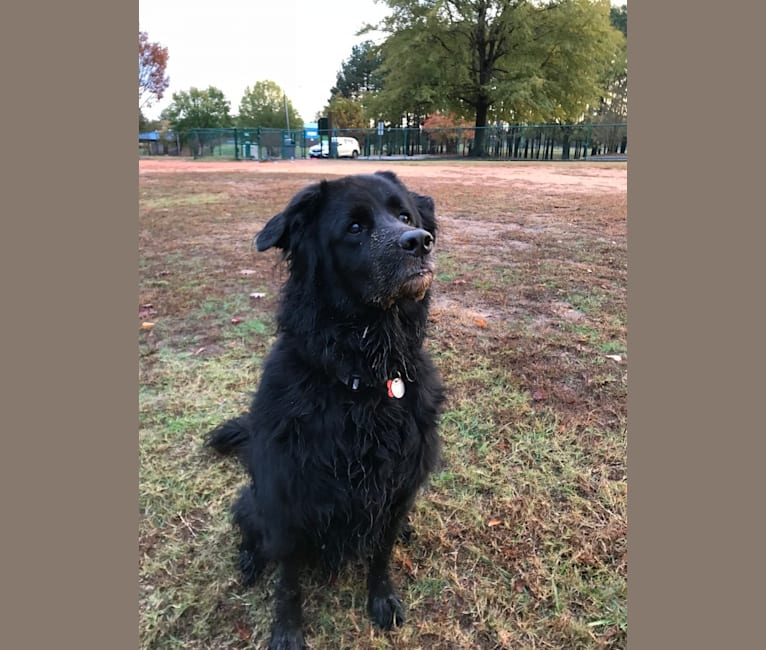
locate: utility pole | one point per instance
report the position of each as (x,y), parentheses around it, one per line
(287,115)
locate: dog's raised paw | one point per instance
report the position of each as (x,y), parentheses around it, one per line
(386,611)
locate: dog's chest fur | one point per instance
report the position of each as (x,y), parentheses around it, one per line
(355,456)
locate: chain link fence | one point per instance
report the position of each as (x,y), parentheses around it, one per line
(513,142)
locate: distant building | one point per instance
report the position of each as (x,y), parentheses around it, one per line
(153,143)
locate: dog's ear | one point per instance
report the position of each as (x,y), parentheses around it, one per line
(426,208)
(390,176)
(280,230)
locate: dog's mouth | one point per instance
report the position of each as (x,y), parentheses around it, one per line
(417,284)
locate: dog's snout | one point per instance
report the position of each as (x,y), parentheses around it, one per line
(417,242)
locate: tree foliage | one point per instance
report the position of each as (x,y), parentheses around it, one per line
(198,109)
(264,106)
(347,113)
(412,91)
(510,60)
(361,73)
(613,106)
(442,131)
(578,47)
(359,78)
(619,18)
(152,61)
(145,124)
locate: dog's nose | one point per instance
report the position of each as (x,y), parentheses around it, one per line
(417,242)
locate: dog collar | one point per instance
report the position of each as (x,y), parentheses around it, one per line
(395,388)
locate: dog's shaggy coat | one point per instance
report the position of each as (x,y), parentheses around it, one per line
(335,451)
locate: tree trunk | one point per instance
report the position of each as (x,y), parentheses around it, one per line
(480,139)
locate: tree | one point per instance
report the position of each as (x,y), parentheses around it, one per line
(577,46)
(510,60)
(613,106)
(152,61)
(198,109)
(411,91)
(346,113)
(264,106)
(360,74)
(145,124)
(619,18)
(359,78)
(443,130)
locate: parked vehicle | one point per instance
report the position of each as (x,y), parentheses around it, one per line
(347,148)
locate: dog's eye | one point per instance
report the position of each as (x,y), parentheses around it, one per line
(355,228)
(404,218)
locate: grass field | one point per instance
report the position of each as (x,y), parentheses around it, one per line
(521,537)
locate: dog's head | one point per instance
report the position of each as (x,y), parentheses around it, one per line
(363,238)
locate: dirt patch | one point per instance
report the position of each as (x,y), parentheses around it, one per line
(567,176)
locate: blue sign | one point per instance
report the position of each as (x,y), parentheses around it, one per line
(311,130)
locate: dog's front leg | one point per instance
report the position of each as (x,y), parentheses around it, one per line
(286,633)
(384,605)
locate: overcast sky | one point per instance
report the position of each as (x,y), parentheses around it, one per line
(232,44)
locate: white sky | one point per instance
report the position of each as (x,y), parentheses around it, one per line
(232,44)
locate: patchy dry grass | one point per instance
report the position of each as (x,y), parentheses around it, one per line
(520,537)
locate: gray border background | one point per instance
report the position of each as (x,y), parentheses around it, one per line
(69,273)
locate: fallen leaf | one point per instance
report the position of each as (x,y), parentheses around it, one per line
(494,522)
(480,322)
(147,325)
(243,631)
(615,357)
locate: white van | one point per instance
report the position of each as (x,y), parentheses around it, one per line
(347,148)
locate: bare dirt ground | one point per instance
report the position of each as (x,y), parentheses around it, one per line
(567,176)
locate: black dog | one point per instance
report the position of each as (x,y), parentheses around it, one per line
(341,433)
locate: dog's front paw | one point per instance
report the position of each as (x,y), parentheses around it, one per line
(251,566)
(283,638)
(386,610)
